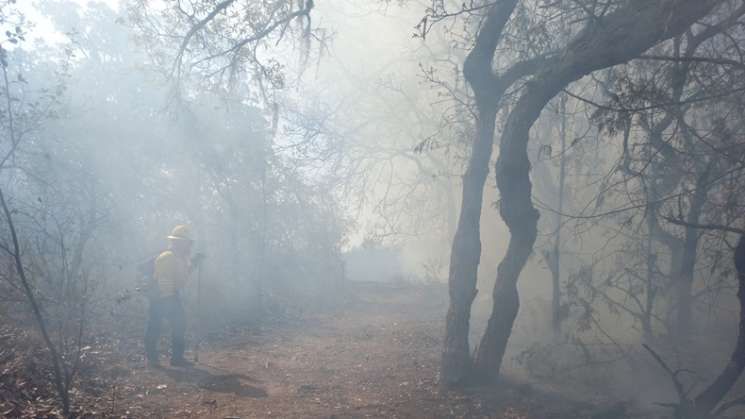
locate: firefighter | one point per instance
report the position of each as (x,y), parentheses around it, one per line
(171,273)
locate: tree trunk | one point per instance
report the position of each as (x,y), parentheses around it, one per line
(464,259)
(455,369)
(650,291)
(684,315)
(555,265)
(516,209)
(624,34)
(708,400)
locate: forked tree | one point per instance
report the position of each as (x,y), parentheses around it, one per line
(612,34)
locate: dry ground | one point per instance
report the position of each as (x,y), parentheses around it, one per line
(376,357)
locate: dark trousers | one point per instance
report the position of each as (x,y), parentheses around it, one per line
(171,309)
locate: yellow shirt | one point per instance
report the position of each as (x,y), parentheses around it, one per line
(171,273)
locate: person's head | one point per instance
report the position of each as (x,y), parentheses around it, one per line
(180,240)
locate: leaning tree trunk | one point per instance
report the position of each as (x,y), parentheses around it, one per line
(516,209)
(620,36)
(708,400)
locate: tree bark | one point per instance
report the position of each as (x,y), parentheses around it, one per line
(684,315)
(617,38)
(516,209)
(465,255)
(464,260)
(650,287)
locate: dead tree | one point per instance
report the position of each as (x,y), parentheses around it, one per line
(61,375)
(61,382)
(64,345)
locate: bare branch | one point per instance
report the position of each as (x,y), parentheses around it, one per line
(707,60)
(673,374)
(718,227)
(196,28)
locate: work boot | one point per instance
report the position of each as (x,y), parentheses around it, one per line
(180,362)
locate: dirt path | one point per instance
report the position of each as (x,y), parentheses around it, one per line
(377,358)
